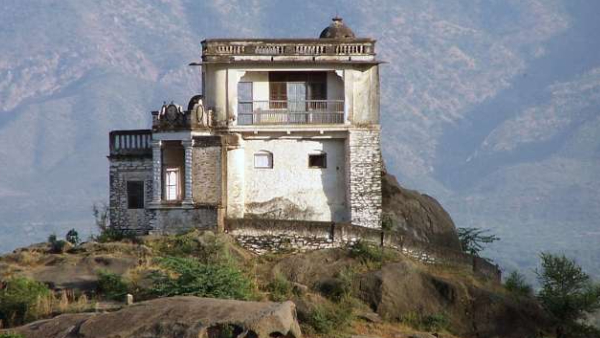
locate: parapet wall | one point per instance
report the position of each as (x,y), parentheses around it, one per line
(268,235)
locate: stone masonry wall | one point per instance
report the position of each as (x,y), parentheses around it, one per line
(206,175)
(363,153)
(267,235)
(125,169)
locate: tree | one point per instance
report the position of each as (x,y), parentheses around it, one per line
(567,292)
(473,240)
(515,283)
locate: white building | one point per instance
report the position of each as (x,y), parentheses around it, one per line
(284,129)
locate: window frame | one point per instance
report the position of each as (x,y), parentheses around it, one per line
(139,197)
(323,166)
(177,172)
(268,154)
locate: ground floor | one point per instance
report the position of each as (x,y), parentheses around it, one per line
(171,181)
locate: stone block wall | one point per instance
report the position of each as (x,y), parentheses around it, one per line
(206,174)
(267,235)
(363,170)
(121,170)
(172,220)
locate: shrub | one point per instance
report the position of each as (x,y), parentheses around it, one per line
(56,245)
(112,286)
(340,287)
(186,276)
(72,237)
(18,298)
(11,335)
(280,288)
(367,253)
(515,284)
(326,317)
(115,235)
(429,322)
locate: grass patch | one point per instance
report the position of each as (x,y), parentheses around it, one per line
(279,288)
(11,335)
(112,286)
(427,322)
(23,300)
(186,276)
(325,318)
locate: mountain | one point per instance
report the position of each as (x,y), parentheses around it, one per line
(490,106)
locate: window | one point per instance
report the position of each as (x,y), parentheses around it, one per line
(172,184)
(135,194)
(263,160)
(317,161)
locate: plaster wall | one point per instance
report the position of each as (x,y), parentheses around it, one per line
(292,190)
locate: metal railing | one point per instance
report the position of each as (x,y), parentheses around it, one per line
(130,142)
(291,112)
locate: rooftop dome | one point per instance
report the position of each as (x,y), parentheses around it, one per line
(337,30)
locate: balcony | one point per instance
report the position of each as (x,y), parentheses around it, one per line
(130,142)
(281,112)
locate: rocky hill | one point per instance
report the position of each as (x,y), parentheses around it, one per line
(489,106)
(356,291)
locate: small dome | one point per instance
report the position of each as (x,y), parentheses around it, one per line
(337,30)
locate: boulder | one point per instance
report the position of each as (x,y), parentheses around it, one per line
(176,317)
(417,215)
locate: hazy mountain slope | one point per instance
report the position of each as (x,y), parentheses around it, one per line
(488,105)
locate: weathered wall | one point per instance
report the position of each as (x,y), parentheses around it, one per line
(206,171)
(265,235)
(363,153)
(362,95)
(292,190)
(122,170)
(167,220)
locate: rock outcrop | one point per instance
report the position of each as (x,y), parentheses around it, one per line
(418,215)
(177,317)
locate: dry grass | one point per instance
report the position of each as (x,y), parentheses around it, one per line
(65,301)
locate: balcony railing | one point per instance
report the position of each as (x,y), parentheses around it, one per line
(241,48)
(290,112)
(130,142)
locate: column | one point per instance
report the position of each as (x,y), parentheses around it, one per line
(156,171)
(188,147)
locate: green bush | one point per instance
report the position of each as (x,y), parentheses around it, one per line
(368,253)
(515,284)
(186,276)
(112,286)
(72,237)
(18,298)
(429,322)
(114,235)
(11,335)
(280,288)
(325,318)
(56,245)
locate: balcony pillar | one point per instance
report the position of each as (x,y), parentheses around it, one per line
(156,171)
(188,147)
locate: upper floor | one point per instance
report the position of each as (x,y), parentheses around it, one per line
(330,82)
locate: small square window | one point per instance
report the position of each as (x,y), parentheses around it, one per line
(135,194)
(317,161)
(263,160)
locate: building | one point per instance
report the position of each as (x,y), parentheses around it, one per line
(285,129)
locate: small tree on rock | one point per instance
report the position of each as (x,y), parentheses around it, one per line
(473,240)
